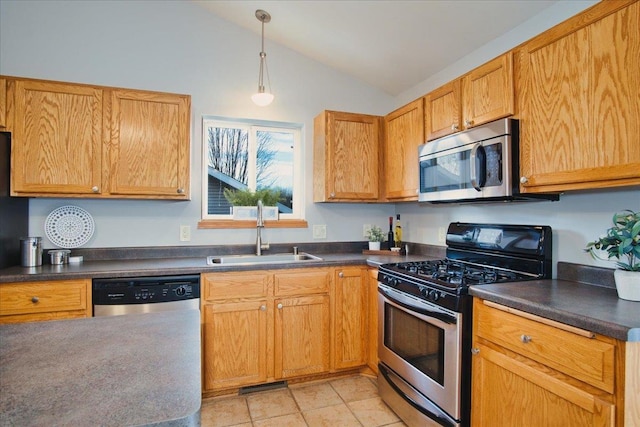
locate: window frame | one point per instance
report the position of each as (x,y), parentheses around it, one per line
(294,219)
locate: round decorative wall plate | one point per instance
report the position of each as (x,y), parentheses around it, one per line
(69,227)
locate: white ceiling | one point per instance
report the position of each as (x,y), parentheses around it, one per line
(391,45)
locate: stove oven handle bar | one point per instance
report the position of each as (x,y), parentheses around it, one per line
(446,318)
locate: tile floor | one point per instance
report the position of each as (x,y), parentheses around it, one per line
(345,402)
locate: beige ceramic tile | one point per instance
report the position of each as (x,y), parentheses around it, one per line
(373,412)
(331,416)
(355,388)
(271,404)
(291,420)
(315,396)
(230,411)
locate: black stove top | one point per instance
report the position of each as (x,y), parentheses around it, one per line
(477,254)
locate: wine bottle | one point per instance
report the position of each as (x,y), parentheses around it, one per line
(390,234)
(398,236)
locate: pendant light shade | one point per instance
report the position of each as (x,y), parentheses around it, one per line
(263,98)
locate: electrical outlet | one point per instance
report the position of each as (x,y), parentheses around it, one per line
(366,228)
(442,235)
(185,233)
(320,231)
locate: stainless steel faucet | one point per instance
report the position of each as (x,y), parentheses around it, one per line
(259,226)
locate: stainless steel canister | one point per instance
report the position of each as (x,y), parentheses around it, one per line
(59,256)
(31,251)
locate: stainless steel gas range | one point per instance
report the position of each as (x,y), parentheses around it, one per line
(424,309)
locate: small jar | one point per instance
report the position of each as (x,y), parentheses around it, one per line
(59,256)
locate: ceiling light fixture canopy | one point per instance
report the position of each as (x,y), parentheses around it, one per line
(263,98)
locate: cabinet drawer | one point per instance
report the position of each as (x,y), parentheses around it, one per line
(42,297)
(302,282)
(222,286)
(587,359)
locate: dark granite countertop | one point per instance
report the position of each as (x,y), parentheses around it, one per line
(131,370)
(594,308)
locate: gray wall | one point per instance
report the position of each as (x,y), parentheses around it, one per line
(177,46)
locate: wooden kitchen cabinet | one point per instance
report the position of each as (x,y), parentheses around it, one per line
(265,325)
(76,140)
(351,317)
(480,96)
(149,144)
(404,132)
(541,372)
(39,301)
(578,102)
(346,157)
(442,111)
(56,139)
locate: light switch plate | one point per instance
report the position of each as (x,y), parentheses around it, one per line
(185,233)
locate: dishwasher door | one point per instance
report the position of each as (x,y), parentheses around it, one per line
(130,295)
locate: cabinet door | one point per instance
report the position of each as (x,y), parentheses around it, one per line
(346,157)
(234,344)
(487,92)
(37,301)
(442,111)
(350,317)
(302,336)
(56,139)
(404,133)
(509,392)
(149,154)
(580,115)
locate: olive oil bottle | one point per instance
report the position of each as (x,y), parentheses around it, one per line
(398,236)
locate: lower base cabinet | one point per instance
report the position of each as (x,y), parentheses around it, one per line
(48,300)
(263,326)
(530,372)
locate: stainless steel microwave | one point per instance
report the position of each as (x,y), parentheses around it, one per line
(479,164)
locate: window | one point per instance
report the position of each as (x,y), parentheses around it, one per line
(252,155)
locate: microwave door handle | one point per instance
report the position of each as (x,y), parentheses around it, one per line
(476,181)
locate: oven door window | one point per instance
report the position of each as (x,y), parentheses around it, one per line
(417,342)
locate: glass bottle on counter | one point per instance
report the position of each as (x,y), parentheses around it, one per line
(398,235)
(390,238)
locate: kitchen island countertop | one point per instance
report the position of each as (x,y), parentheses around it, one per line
(132,370)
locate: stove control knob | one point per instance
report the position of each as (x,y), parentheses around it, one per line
(434,295)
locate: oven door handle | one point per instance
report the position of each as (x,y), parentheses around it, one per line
(451,320)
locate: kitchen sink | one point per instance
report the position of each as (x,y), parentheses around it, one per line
(261,259)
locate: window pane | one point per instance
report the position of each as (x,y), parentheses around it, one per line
(275,165)
(228,154)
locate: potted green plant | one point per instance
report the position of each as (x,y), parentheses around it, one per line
(244,202)
(622,242)
(375,237)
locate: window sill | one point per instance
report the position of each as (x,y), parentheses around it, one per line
(229,223)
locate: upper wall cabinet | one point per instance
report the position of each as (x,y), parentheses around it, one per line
(579,102)
(75,140)
(346,157)
(404,132)
(148,155)
(480,96)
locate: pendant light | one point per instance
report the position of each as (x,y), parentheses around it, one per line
(262,98)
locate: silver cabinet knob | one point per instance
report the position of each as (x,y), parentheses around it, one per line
(468,123)
(341,275)
(180,190)
(525,339)
(454,127)
(332,195)
(279,306)
(95,189)
(524,180)
(475,350)
(35,300)
(263,308)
